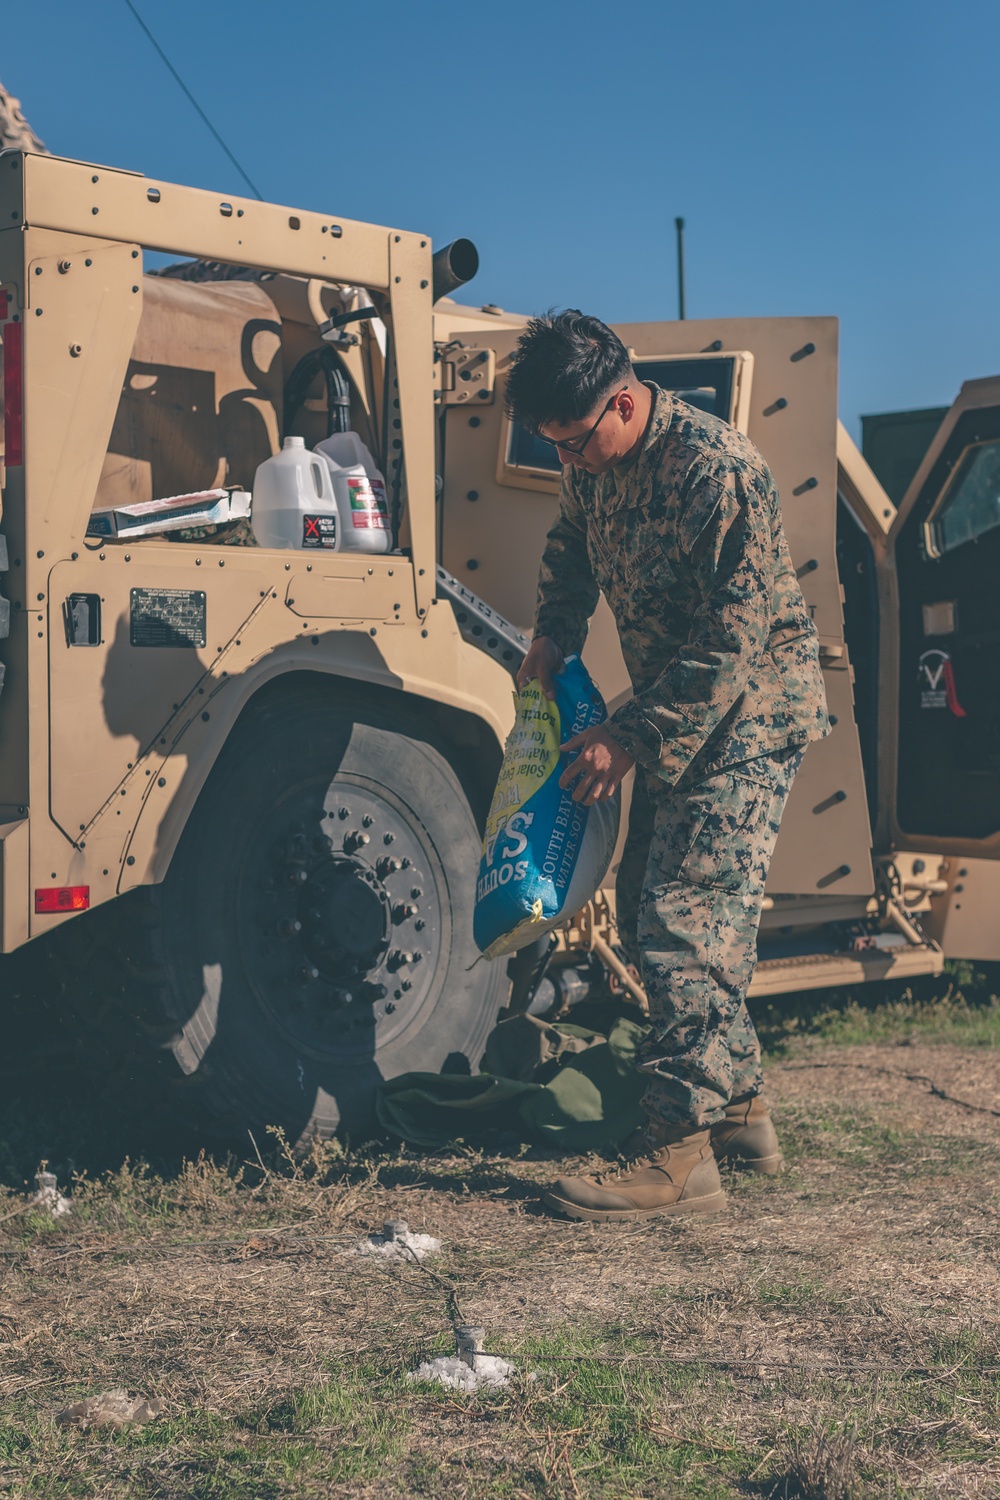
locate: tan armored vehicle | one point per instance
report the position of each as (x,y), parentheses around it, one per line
(241,787)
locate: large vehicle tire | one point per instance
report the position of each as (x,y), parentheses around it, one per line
(314,932)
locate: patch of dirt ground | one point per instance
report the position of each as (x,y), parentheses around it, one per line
(859,1293)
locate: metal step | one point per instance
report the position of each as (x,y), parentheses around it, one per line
(818,971)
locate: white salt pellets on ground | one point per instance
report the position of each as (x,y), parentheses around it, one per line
(47,1196)
(450,1371)
(398,1245)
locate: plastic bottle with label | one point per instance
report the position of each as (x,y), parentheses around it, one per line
(361,494)
(294,501)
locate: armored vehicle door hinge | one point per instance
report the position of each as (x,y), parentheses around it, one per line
(468,376)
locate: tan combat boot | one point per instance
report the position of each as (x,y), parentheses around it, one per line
(747,1138)
(676,1174)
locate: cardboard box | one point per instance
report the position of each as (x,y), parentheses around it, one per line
(149,517)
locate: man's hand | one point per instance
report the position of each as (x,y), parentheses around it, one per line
(600,764)
(544,661)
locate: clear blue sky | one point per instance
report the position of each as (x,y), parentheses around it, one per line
(828,158)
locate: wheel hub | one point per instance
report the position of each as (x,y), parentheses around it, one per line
(340,904)
(346,917)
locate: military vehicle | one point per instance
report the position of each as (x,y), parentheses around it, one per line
(241,788)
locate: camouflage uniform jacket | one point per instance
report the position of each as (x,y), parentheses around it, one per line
(686,544)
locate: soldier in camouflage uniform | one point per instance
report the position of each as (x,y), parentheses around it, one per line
(673,515)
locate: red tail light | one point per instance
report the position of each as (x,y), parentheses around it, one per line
(55,898)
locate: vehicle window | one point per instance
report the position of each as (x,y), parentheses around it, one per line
(526,451)
(970,505)
(704,383)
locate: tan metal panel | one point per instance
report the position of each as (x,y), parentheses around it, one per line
(411,429)
(82,199)
(824,847)
(14,884)
(966,919)
(353,589)
(108,703)
(140,776)
(84,301)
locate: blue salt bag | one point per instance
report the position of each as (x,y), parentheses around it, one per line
(544,855)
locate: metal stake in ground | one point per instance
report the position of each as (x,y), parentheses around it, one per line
(469,1343)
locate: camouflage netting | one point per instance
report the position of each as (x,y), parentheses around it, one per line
(14,129)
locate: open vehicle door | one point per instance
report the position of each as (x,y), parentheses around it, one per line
(776,380)
(941,727)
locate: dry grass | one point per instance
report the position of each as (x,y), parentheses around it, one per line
(834,1336)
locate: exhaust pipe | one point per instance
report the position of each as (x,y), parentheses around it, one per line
(453,266)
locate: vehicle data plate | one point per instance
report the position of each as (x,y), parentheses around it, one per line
(167,617)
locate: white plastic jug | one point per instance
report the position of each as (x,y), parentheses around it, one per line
(294,501)
(361,494)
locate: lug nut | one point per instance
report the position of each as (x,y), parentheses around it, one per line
(419,924)
(297,877)
(289,928)
(307,974)
(355,840)
(416,893)
(367,820)
(388,838)
(387,865)
(406,984)
(390,1006)
(343,812)
(397,958)
(402,910)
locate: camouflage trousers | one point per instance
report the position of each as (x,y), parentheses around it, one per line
(690,888)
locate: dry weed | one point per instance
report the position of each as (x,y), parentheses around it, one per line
(821,1467)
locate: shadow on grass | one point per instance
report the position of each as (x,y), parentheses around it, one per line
(960,1006)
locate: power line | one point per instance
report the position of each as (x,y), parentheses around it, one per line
(255,190)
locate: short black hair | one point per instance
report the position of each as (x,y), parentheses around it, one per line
(564,364)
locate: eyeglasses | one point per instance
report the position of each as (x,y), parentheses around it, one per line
(577,445)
